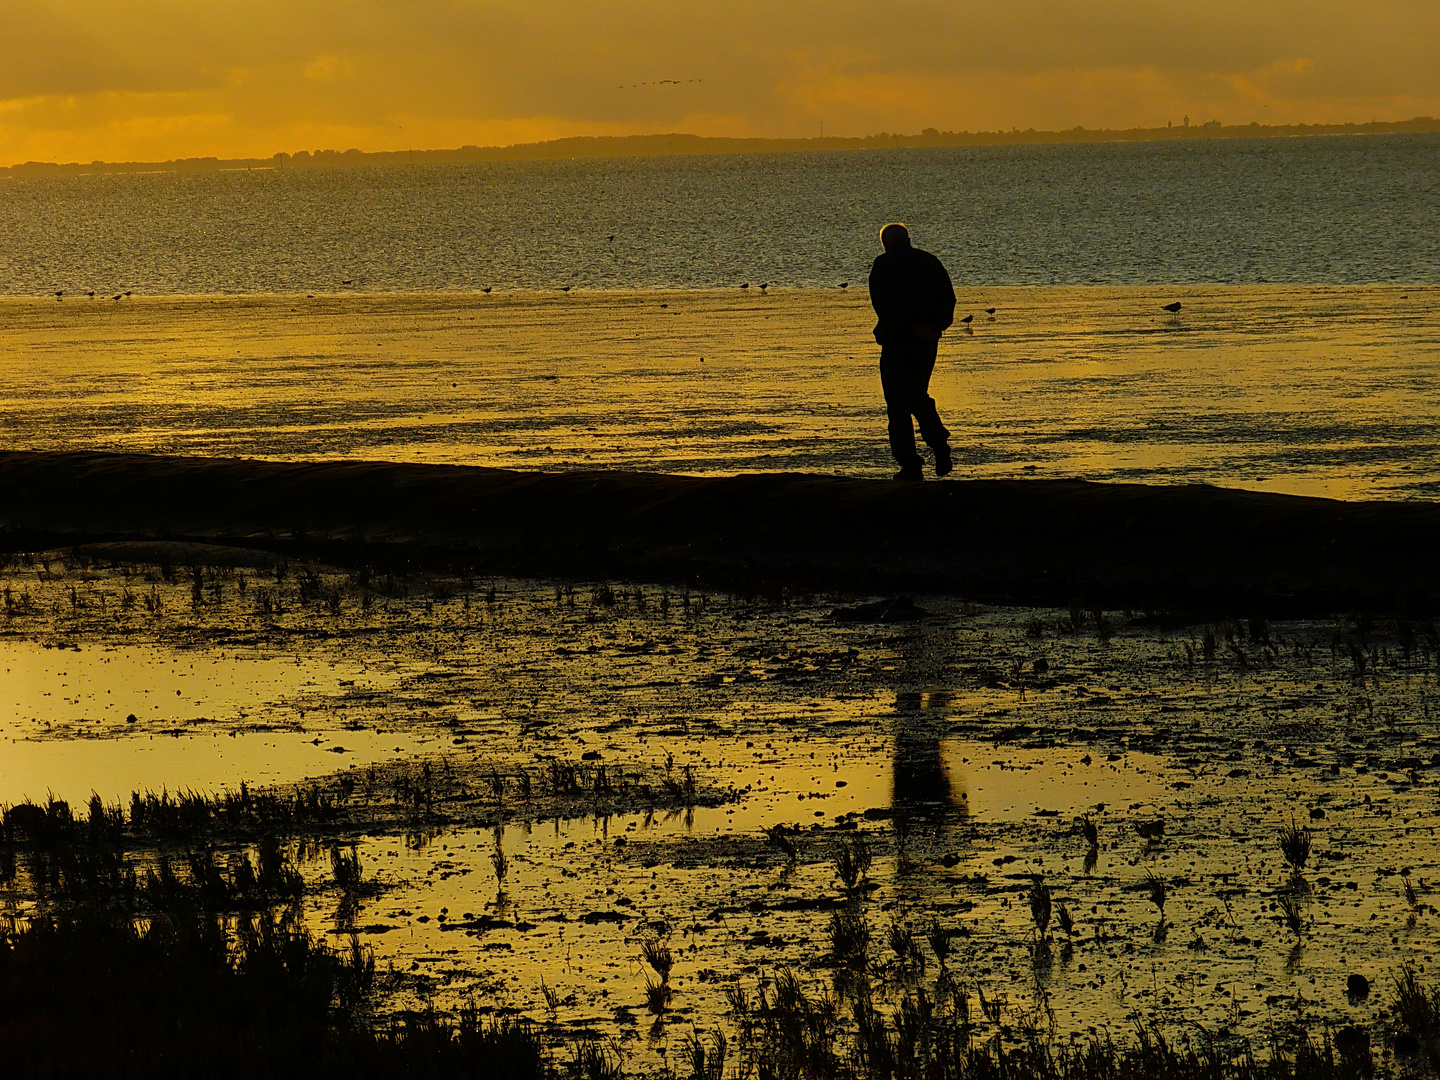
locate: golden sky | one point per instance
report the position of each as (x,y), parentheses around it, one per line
(154,79)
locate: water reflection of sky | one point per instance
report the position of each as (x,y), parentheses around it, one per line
(66,727)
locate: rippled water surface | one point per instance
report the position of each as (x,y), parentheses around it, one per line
(1322,210)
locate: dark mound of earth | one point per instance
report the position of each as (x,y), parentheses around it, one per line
(1193,548)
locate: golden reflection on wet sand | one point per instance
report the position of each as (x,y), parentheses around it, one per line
(1319,390)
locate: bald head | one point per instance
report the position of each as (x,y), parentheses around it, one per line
(894,237)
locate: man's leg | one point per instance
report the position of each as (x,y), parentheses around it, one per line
(897,382)
(931,429)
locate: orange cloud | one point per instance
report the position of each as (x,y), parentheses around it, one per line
(165,78)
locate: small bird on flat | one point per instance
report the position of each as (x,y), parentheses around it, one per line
(486,289)
(745,286)
(968,319)
(1172,308)
(565,289)
(989,311)
(1151,830)
(844,284)
(764,285)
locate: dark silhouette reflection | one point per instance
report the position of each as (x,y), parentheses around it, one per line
(922,786)
(928,804)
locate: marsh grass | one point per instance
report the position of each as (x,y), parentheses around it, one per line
(1416,1007)
(656,953)
(777,836)
(1158,893)
(1065,919)
(1295,844)
(909,959)
(849,935)
(1292,912)
(657,996)
(932,1035)
(1155,887)
(498,859)
(1040,906)
(163,816)
(551,999)
(852,862)
(97,995)
(939,939)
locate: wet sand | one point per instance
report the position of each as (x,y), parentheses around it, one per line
(1189,549)
(1316,391)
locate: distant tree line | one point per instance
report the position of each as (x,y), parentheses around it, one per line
(678,145)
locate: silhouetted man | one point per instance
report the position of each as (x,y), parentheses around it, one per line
(914,302)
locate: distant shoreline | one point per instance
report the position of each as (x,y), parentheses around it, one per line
(682,145)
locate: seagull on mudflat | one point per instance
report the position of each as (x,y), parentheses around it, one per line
(1172,308)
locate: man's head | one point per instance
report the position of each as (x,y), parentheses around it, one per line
(895,237)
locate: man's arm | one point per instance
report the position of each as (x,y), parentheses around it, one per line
(944,311)
(889,313)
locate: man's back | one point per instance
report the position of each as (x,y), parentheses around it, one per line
(909,287)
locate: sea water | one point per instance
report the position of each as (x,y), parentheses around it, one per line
(1331,210)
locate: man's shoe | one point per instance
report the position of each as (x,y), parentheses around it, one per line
(910,472)
(944,463)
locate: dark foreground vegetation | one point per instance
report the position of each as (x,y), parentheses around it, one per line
(190,994)
(94,995)
(191,958)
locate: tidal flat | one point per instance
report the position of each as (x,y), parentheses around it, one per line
(1310,390)
(611,807)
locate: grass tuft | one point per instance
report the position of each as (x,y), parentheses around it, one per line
(849,939)
(1295,844)
(852,862)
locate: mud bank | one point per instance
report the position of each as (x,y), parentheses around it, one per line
(1187,548)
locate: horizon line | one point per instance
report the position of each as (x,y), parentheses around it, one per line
(635,146)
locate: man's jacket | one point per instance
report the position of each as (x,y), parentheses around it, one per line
(909,286)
